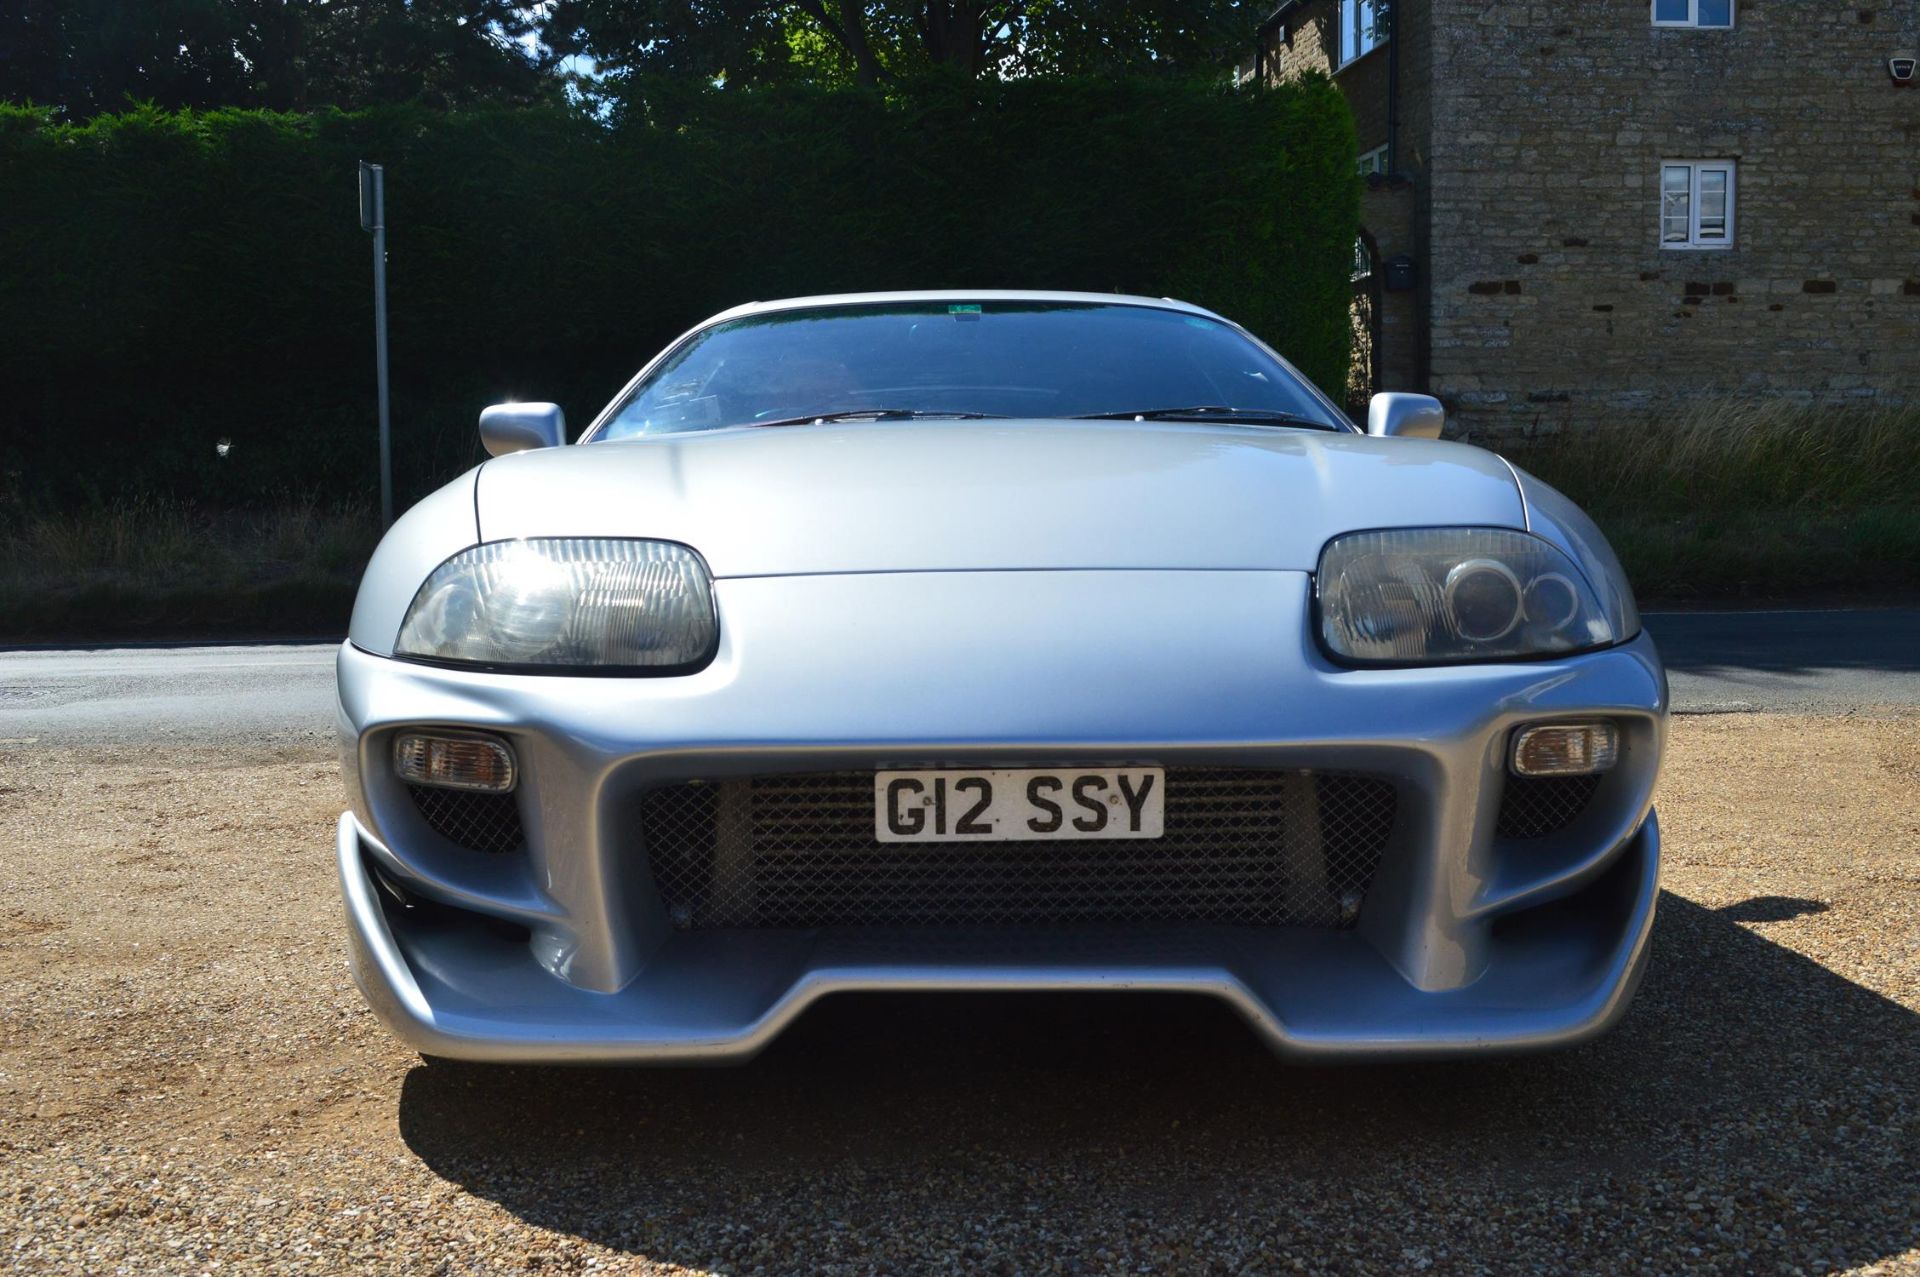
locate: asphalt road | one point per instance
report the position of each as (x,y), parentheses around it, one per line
(168,695)
(1720,662)
(1824,662)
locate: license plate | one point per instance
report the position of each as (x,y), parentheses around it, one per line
(1019,806)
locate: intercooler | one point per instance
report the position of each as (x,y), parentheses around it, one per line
(1241,848)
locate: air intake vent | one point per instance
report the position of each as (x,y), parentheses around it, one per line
(1534,807)
(478,822)
(1241,848)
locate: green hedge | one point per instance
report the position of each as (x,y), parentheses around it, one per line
(168,281)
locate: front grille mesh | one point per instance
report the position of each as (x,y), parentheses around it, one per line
(478,822)
(1241,848)
(1535,806)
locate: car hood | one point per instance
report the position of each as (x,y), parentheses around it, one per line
(972,495)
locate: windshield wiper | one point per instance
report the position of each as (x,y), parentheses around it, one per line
(1213,412)
(872,414)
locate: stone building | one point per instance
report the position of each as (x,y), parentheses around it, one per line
(1588,213)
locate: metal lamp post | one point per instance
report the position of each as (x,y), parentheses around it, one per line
(373,217)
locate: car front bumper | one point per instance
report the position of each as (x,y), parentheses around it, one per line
(1468,941)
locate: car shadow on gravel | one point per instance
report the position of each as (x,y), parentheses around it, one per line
(1754,1111)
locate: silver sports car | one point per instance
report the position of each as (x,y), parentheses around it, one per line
(992,640)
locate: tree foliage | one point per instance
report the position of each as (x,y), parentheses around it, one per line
(84,57)
(747,42)
(173,279)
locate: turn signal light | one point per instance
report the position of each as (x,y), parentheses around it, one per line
(1565,749)
(474,762)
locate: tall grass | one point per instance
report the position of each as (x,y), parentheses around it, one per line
(1750,499)
(1730,501)
(1737,455)
(151,565)
(143,536)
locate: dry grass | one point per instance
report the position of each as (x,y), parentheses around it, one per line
(1736,500)
(1747,498)
(149,566)
(1737,455)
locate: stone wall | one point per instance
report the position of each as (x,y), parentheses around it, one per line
(1552,303)
(1389,211)
(1306,41)
(1393,210)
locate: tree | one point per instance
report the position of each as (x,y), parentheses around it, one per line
(441,53)
(89,56)
(86,56)
(870,41)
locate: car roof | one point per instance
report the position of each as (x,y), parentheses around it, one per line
(956,295)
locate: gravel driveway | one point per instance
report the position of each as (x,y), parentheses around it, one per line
(189,1083)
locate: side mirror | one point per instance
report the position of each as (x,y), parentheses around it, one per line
(1418,416)
(518,427)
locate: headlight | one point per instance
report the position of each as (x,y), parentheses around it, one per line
(551,602)
(1434,596)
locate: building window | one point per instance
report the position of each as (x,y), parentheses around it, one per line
(1363,28)
(1692,13)
(1696,204)
(1374,161)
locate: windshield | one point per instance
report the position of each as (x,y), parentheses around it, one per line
(988,358)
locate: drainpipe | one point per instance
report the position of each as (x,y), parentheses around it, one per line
(1393,90)
(1422,350)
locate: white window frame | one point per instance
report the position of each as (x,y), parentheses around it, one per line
(1694,241)
(1374,161)
(1350,11)
(1692,19)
